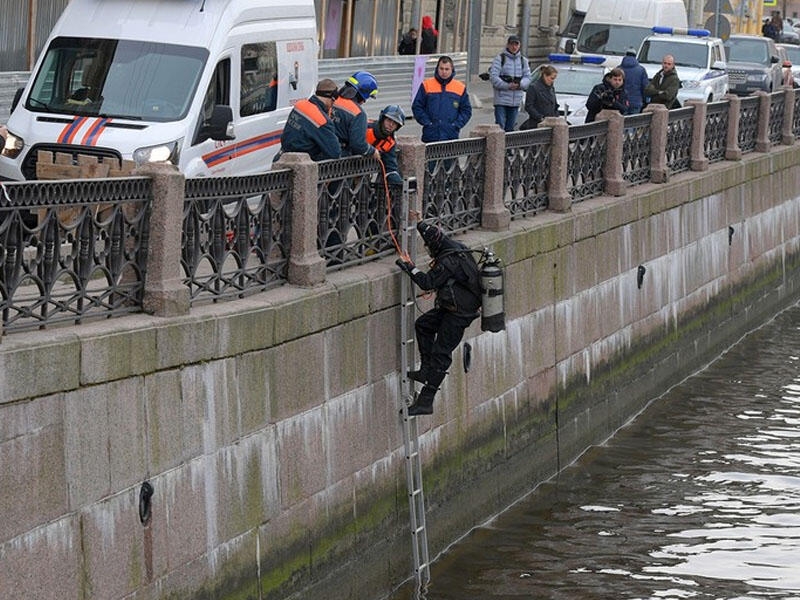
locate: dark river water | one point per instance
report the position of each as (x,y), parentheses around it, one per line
(698,497)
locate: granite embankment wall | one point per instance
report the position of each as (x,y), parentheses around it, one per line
(268,426)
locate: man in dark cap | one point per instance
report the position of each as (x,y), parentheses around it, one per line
(454,277)
(309,127)
(510,75)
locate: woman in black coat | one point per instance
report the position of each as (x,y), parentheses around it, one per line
(608,95)
(540,99)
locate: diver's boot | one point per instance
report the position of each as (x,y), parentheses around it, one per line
(420,376)
(423,402)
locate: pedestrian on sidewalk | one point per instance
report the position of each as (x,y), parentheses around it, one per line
(510,75)
(442,105)
(608,95)
(540,100)
(636,81)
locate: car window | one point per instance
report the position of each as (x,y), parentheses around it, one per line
(747,50)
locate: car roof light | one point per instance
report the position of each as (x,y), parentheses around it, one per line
(585,59)
(681,31)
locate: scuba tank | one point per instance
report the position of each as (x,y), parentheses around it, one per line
(493,317)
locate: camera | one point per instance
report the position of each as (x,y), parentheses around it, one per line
(510,79)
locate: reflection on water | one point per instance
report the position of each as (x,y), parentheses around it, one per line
(698,498)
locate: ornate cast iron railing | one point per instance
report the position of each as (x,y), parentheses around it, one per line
(679,139)
(588,146)
(236,234)
(453,192)
(72,250)
(748,124)
(636,149)
(526,170)
(716,134)
(776,108)
(353,225)
(796,119)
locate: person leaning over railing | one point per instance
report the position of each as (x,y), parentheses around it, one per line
(608,95)
(309,128)
(442,105)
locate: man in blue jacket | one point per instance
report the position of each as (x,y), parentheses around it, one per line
(636,80)
(309,128)
(441,105)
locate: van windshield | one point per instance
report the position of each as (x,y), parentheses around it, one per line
(124,79)
(602,38)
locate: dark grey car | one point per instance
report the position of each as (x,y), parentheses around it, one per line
(753,64)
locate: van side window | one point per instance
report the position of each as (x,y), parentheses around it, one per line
(259,79)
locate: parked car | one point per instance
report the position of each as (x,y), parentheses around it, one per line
(577,75)
(753,64)
(789,34)
(699,61)
(793,54)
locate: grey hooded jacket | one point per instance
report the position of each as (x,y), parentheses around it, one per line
(501,73)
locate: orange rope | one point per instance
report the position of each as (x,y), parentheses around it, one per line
(402,254)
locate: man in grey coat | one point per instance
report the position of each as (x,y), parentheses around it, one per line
(510,75)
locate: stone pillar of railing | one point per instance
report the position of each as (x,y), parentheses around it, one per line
(659,171)
(762,135)
(411,162)
(306,266)
(165,293)
(615,185)
(787,135)
(560,200)
(495,216)
(732,149)
(698,160)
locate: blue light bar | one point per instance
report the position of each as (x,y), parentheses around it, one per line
(578,59)
(681,31)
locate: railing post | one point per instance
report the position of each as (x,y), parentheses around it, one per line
(560,200)
(411,162)
(495,216)
(698,160)
(732,149)
(762,134)
(615,184)
(165,293)
(659,171)
(306,266)
(787,135)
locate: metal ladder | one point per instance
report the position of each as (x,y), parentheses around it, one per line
(410,426)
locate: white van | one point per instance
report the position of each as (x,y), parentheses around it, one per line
(612,26)
(204,84)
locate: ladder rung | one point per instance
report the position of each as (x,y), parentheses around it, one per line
(419,529)
(416,492)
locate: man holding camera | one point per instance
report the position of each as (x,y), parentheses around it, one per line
(608,95)
(510,75)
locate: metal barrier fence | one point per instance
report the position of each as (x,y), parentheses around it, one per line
(73,250)
(236,235)
(527,163)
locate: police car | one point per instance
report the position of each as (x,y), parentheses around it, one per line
(699,61)
(577,75)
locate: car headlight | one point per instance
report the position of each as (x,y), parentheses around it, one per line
(169,152)
(757,77)
(690,85)
(13,146)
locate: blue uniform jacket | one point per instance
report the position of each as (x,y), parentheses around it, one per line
(308,129)
(442,108)
(350,123)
